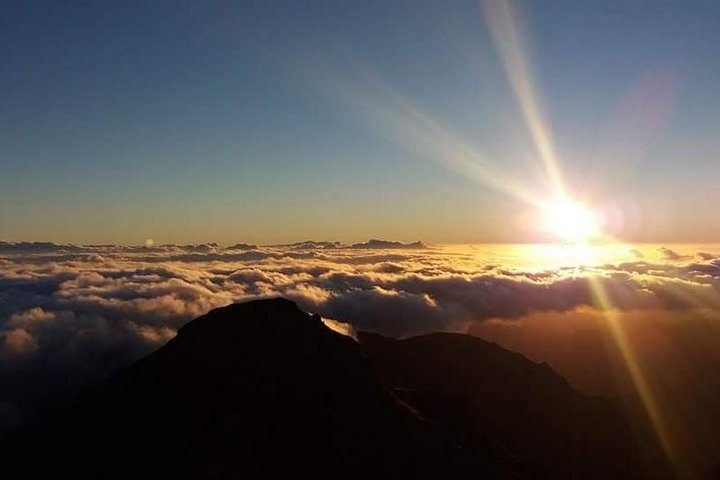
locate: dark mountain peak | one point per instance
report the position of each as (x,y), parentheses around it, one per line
(524,407)
(253,390)
(242,246)
(475,345)
(376,243)
(274,331)
(469,361)
(264,390)
(263,306)
(254,315)
(309,245)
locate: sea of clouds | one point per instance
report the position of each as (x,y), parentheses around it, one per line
(71,313)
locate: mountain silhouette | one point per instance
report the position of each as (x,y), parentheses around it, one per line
(375,243)
(522,407)
(264,390)
(252,390)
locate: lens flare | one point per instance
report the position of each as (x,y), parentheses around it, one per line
(570,221)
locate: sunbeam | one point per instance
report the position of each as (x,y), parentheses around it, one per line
(604,304)
(397,119)
(505,33)
(447,239)
(564,218)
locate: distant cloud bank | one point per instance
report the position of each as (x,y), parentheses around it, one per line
(79,312)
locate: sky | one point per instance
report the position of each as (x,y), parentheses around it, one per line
(269,122)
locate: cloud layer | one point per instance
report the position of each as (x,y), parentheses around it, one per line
(71,313)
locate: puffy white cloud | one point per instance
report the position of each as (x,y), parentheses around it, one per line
(72,311)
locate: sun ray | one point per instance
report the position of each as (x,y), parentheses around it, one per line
(505,32)
(397,119)
(629,358)
(563,217)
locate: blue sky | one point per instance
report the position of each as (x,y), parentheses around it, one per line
(247,121)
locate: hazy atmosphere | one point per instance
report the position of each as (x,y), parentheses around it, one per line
(269,122)
(390,239)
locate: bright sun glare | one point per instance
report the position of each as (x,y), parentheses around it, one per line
(570,221)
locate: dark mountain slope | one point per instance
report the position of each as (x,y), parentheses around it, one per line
(253,390)
(525,408)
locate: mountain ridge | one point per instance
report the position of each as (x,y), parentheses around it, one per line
(253,390)
(262,390)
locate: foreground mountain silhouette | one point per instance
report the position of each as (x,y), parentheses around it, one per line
(523,408)
(259,389)
(264,390)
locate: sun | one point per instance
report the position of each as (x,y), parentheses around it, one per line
(570,221)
